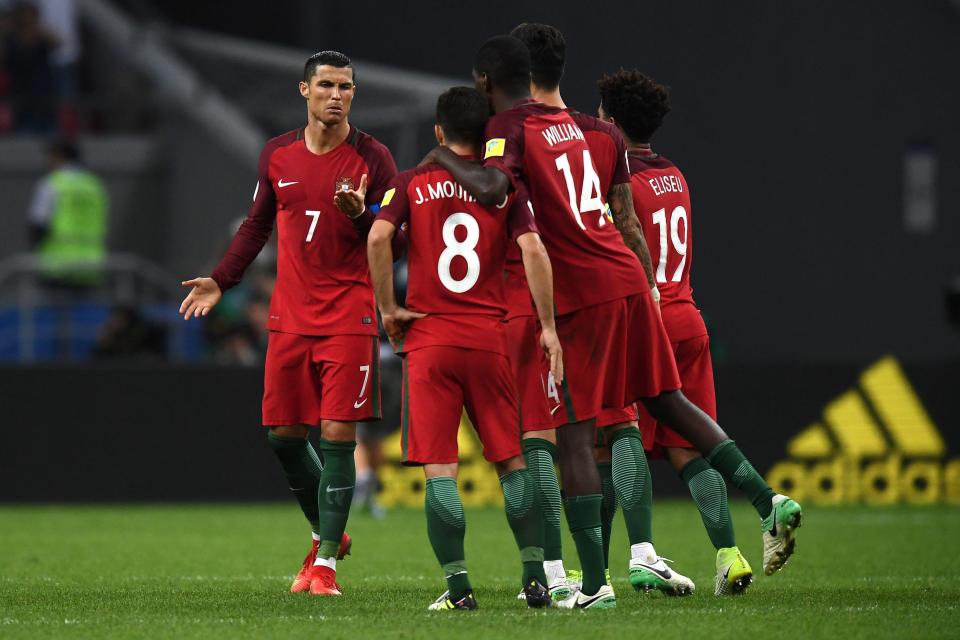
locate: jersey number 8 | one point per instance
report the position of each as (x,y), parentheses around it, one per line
(463,249)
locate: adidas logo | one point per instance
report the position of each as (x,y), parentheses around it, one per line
(876,444)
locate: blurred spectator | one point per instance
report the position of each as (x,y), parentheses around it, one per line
(27,53)
(60,18)
(68,220)
(126,334)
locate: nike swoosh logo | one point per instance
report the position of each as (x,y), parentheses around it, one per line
(283,184)
(665,574)
(590,600)
(332,489)
(357,405)
(554,410)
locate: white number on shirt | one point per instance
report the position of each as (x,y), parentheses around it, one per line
(464,249)
(590,199)
(660,219)
(313,224)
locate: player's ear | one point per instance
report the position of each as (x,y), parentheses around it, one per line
(304,89)
(438,133)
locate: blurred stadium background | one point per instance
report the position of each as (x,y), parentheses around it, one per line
(821,148)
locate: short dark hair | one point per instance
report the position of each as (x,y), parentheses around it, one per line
(548,52)
(506,62)
(331,58)
(636,102)
(462,113)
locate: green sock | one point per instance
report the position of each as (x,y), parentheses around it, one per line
(446,527)
(335,494)
(302,467)
(540,455)
(608,509)
(523,513)
(583,517)
(709,491)
(734,466)
(631,480)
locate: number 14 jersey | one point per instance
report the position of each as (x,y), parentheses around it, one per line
(456,250)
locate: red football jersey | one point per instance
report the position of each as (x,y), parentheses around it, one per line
(542,147)
(323,281)
(456,250)
(662,202)
(609,154)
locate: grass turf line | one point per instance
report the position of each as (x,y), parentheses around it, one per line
(199,570)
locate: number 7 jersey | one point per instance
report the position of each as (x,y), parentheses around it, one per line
(661,199)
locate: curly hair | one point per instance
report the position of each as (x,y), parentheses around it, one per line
(636,102)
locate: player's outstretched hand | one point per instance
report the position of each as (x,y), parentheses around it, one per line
(551,346)
(397,322)
(350,201)
(204,295)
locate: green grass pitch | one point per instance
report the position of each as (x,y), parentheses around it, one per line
(205,571)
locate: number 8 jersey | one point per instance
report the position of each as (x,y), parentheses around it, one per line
(456,250)
(662,202)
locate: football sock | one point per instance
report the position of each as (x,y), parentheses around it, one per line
(583,517)
(709,491)
(302,466)
(523,513)
(734,466)
(540,455)
(446,527)
(335,494)
(608,509)
(631,480)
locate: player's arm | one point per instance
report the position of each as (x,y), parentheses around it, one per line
(539,272)
(396,319)
(625,219)
(205,292)
(487,184)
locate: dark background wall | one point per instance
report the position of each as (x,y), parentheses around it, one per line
(128,433)
(790,121)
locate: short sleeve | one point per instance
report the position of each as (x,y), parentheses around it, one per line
(520,217)
(503,149)
(395,205)
(382,170)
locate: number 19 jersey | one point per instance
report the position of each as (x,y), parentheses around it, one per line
(542,147)
(456,249)
(661,199)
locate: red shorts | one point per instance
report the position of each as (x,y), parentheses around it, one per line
(696,373)
(531,373)
(312,378)
(613,354)
(438,382)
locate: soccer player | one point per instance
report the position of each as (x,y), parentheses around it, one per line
(622,465)
(600,281)
(661,197)
(322,366)
(672,425)
(453,342)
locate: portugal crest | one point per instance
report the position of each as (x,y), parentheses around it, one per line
(344,183)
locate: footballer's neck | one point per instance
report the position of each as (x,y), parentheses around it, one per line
(503,101)
(321,138)
(463,150)
(551,98)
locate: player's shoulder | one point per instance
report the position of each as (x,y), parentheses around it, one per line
(283,140)
(639,163)
(366,145)
(588,123)
(404,178)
